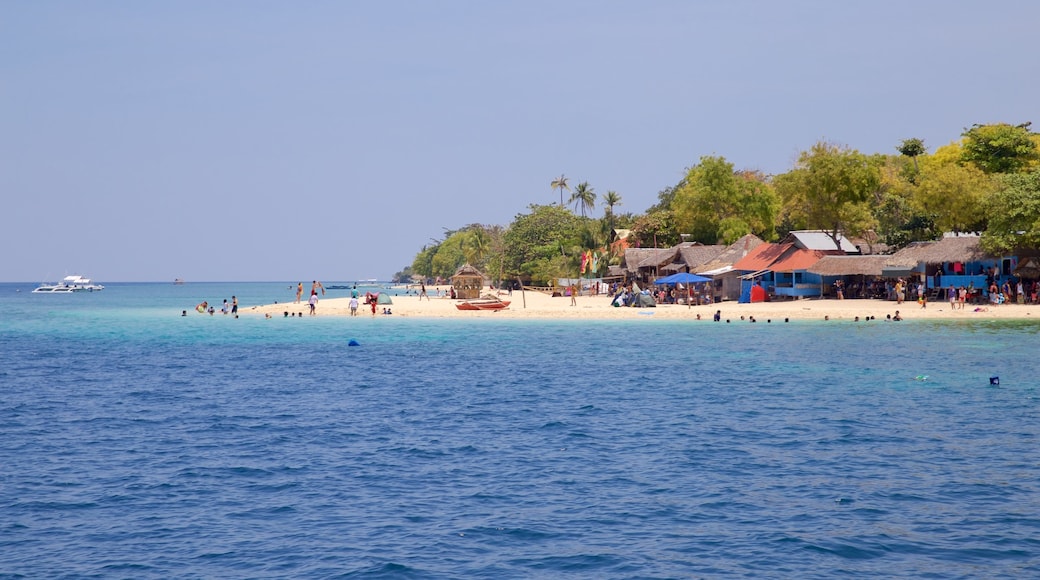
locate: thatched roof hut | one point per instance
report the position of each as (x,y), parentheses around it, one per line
(468,282)
(645,261)
(951,249)
(851,265)
(693,256)
(731,254)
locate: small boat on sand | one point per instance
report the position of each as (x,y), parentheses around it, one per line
(486,303)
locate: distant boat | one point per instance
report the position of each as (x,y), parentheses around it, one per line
(69,284)
(178,281)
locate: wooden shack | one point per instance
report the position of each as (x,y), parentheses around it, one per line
(468,282)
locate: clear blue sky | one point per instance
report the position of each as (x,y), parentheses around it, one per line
(252,140)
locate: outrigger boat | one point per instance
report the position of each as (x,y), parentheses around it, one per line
(486,303)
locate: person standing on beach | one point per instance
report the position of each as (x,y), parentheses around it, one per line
(314,287)
(574,294)
(299,292)
(313,302)
(353,305)
(234,305)
(422,291)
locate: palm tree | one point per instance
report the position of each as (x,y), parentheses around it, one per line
(561,184)
(583,197)
(477,245)
(610,200)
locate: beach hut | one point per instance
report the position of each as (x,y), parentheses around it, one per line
(858,273)
(725,279)
(468,282)
(955,260)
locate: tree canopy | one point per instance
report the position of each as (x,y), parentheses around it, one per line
(829,189)
(716,204)
(1014,214)
(1000,148)
(535,242)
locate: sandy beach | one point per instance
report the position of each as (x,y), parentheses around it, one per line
(538,305)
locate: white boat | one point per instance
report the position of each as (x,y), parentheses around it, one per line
(69,284)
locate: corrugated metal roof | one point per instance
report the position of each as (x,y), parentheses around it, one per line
(819,240)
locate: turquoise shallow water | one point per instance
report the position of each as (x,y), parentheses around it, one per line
(137,443)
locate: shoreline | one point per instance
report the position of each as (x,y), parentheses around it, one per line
(538,305)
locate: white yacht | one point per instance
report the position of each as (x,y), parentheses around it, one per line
(69,284)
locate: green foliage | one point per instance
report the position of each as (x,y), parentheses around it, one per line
(1014,214)
(666,196)
(830,189)
(561,184)
(654,229)
(423,262)
(912,148)
(716,204)
(896,221)
(610,201)
(450,255)
(954,196)
(584,198)
(535,241)
(404,276)
(1000,148)
(475,244)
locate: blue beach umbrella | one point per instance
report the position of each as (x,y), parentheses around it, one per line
(682,278)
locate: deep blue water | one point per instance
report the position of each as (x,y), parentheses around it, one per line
(136,443)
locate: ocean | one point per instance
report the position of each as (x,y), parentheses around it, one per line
(137,443)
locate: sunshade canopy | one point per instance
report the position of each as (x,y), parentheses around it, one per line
(682,278)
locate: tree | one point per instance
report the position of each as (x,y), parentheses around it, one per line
(954,196)
(897,223)
(537,243)
(584,197)
(423,262)
(830,189)
(404,276)
(1000,148)
(561,184)
(611,200)
(1014,214)
(450,254)
(716,204)
(912,148)
(654,229)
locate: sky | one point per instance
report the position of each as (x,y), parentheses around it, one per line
(251,140)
